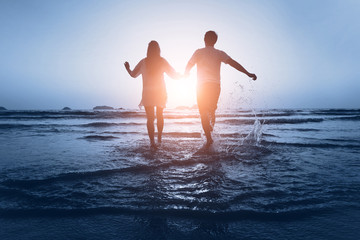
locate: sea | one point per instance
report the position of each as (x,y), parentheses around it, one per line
(271,174)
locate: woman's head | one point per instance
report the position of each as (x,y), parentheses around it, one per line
(153,49)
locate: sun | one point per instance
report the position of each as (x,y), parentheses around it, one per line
(181,92)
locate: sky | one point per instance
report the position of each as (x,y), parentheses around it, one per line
(53,54)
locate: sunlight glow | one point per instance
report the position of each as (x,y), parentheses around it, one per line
(182,92)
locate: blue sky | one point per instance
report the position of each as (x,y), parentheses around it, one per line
(70,53)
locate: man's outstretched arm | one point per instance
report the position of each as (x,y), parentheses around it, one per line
(240,68)
(189,66)
(191,63)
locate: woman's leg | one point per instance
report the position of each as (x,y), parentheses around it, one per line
(150,123)
(160,122)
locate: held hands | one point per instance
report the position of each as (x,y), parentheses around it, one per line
(179,76)
(186,74)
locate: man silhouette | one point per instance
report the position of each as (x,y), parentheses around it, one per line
(208,61)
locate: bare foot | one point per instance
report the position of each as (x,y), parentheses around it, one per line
(209,142)
(159,139)
(153,146)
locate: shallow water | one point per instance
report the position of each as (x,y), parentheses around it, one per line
(280,174)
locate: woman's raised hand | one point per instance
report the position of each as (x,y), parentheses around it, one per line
(127,65)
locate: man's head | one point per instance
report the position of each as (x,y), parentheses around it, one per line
(210,38)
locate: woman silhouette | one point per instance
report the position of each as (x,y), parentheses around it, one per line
(154,94)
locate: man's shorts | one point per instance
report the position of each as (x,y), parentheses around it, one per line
(207,97)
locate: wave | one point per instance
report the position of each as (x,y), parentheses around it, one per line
(336,112)
(183,134)
(183,213)
(169,134)
(73,176)
(99,137)
(271,116)
(136,169)
(119,133)
(342,140)
(70,114)
(292,120)
(272,121)
(157,164)
(29,126)
(15,125)
(311,145)
(353,118)
(302,129)
(43,125)
(235,115)
(107,124)
(43,115)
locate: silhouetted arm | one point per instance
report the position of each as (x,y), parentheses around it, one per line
(240,68)
(133,73)
(171,71)
(189,66)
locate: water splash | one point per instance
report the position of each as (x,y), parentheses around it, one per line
(254,137)
(246,100)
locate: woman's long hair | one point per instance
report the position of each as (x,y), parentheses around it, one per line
(153,58)
(153,50)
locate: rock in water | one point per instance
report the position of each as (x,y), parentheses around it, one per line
(103,108)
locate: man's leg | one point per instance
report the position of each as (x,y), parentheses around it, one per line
(215,93)
(207,98)
(203,105)
(159,122)
(212,120)
(150,124)
(205,122)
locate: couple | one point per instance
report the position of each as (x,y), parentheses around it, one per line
(208,61)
